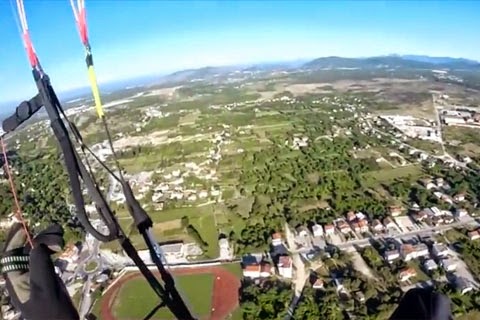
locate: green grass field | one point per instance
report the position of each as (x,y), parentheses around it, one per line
(136,299)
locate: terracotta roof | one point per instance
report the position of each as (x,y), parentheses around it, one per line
(329,226)
(318,283)
(409,270)
(351,215)
(407,248)
(285,262)
(363,223)
(266,267)
(473,233)
(252,267)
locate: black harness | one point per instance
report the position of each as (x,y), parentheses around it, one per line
(78,172)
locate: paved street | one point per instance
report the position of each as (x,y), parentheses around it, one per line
(301,274)
(364,242)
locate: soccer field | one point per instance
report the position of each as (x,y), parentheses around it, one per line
(136,299)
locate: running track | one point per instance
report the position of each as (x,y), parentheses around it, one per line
(225,291)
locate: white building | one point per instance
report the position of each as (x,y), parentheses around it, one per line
(448,265)
(317,230)
(285,267)
(276,239)
(252,271)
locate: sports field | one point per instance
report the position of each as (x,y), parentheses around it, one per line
(209,292)
(136,299)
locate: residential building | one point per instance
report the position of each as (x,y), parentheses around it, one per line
(391,255)
(377,226)
(317,230)
(285,267)
(276,239)
(439,182)
(395,211)
(360,216)
(461,212)
(439,250)
(463,285)
(329,229)
(363,224)
(459,197)
(359,296)
(266,269)
(474,235)
(421,250)
(407,252)
(388,223)
(302,231)
(355,227)
(448,265)
(351,216)
(252,271)
(420,216)
(318,284)
(407,273)
(448,218)
(343,227)
(430,265)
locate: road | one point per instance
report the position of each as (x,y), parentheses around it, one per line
(439,127)
(93,247)
(300,276)
(442,157)
(364,242)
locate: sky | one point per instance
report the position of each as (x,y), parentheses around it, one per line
(135,38)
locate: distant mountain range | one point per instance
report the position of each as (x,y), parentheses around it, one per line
(380,62)
(394,61)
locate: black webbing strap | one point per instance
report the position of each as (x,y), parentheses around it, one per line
(22,113)
(76,171)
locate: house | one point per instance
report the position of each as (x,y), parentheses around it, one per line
(377,226)
(355,226)
(463,285)
(251,271)
(266,269)
(360,216)
(428,184)
(363,225)
(276,239)
(407,251)
(407,273)
(459,197)
(285,267)
(329,229)
(447,198)
(448,218)
(302,231)
(430,265)
(420,216)
(318,284)
(317,230)
(439,250)
(351,216)
(439,182)
(388,223)
(343,227)
(391,255)
(474,235)
(448,265)
(461,212)
(420,250)
(359,296)
(436,220)
(395,211)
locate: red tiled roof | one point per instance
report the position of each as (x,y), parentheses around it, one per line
(285,262)
(252,267)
